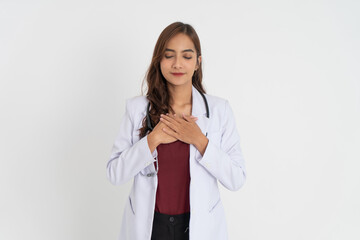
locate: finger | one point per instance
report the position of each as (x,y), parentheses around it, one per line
(170,132)
(189,118)
(179,118)
(171,118)
(168,117)
(169,122)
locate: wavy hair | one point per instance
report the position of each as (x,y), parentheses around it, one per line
(157,91)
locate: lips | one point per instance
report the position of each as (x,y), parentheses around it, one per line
(177,74)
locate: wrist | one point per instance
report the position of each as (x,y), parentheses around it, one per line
(152,141)
(201,143)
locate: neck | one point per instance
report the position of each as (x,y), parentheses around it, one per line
(180,95)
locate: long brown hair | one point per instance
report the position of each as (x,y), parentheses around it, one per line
(157,92)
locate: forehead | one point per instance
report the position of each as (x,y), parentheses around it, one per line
(180,42)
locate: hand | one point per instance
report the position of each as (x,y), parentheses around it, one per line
(183,128)
(160,135)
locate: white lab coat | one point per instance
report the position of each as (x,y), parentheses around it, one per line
(223,161)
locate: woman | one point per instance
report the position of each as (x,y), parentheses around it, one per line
(176,142)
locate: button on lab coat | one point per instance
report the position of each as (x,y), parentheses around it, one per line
(222,162)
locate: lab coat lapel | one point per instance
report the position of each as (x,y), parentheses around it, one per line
(199,110)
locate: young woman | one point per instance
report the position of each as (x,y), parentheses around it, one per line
(176,142)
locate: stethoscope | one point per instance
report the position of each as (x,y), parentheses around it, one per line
(150,127)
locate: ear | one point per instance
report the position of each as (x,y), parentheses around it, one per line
(198,64)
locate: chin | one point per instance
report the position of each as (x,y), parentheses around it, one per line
(178,83)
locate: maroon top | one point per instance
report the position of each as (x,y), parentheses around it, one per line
(172,195)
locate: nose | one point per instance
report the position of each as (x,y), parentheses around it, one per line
(177,63)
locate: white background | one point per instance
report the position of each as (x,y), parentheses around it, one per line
(290,70)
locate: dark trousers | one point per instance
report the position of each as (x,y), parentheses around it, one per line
(170,227)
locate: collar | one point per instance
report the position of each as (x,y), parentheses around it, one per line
(198,104)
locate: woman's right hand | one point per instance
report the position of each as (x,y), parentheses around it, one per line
(160,135)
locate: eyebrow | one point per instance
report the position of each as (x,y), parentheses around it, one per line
(172,50)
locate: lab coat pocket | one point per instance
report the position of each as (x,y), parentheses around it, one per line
(131,205)
(213,203)
(148,171)
(131,201)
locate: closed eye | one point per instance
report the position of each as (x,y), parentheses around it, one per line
(172,56)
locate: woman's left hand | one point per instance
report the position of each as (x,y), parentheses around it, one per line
(183,128)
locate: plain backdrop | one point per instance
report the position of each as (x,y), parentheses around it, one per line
(290,70)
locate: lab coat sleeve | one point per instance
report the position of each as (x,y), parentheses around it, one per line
(127,158)
(226,162)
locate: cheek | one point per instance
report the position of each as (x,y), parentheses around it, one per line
(191,64)
(162,68)
(164,65)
